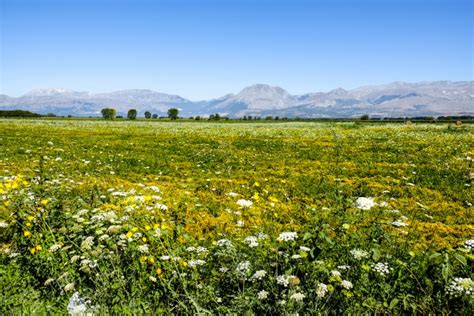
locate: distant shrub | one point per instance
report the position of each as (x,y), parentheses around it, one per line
(132,114)
(109,113)
(147,115)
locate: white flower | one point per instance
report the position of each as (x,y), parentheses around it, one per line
(251,241)
(287,236)
(335,273)
(152,278)
(305,249)
(359,254)
(295,256)
(3,225)
(87,243)
(259,275)
(261,236)
(243,267)
(224,243)
(48,281)
(461,286)
(191,249)
(344,267)
(244,203)
(382,268)
(201,249)
(321,290)
(69,287)
(283,280)
(223,269)
(232,194)
(399,224)
(165,258)
(298,297)
(240,224)
(262,295)
(143,248)
(365,203)
(469,244)
(54,248)
(195,263)
(346,284)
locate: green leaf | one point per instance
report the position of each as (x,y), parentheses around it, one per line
(393,303)
(461,259)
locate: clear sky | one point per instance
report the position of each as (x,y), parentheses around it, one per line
(205,49)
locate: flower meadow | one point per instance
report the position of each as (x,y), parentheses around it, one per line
(235,218)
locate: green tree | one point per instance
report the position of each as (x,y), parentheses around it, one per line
(108,113)
(173,113)
(364,117)
(155,116)
(132,114)
(147,114)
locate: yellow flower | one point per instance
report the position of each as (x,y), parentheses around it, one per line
(134,229)
(33,250)
(156,226)
(159,271)
(273,199)
(26,233)
(129,235)
(143,259)
(28,224)
(256,184)
(147,227)
(147,198)
(44,202)
(144,239)
(151,260)
(30,218)
(256,197)
(39,248)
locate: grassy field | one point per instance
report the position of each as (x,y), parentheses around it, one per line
(255,218)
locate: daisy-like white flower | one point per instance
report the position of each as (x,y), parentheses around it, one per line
(359,254)
(224,243)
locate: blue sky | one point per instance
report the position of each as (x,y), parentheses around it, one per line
(205,49)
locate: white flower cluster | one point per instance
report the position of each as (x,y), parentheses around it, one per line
(346,284)
(469,244)
(461,286)
(262,295)
(297,297)
(283,280)
(321,290)
(259,275)
(251,241)
(243,267)
(399,224)
(143,248)
(364,203)
(224,243)
(381,268)
(195,263)
(87,243)
(359,254)
(244,203)
(287,236)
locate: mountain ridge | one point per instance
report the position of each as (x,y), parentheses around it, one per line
(426,98)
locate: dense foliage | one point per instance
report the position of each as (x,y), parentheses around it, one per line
(257,218)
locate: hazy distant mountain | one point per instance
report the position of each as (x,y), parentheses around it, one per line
(389,100)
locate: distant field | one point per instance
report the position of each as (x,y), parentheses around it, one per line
(111,209)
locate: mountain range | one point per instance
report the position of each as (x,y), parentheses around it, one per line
(397,99)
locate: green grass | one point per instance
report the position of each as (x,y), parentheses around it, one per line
(61,182)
